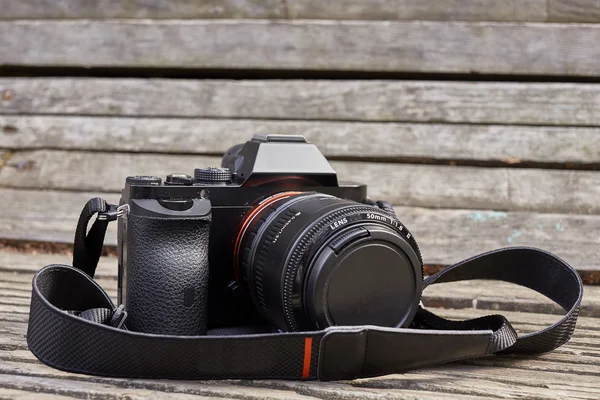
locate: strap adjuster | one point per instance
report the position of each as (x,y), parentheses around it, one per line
(119,317)
(113,212)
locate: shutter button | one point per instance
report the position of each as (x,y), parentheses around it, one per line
(179,179)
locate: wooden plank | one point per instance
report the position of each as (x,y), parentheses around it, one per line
(449,236)
(65,9)
(425,10)
(491,295)
(567,191)
(23,395)
(574,10)
(77,388)
(108,388)
(355,100)
(428,10)
(46,216)
(453,10)
(18,268)
(4,156)
(459,47)
(469,10)
(388,141)
(445,236)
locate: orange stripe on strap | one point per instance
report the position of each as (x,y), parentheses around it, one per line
(307,356)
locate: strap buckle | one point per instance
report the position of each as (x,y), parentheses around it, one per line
(119,317)
(114,212)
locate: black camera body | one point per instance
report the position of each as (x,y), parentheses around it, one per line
(270,239)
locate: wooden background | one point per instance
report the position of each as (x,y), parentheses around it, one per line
(478,119)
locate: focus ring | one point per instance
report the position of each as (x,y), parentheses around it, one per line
(257,267)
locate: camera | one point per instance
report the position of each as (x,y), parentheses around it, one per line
(270,241)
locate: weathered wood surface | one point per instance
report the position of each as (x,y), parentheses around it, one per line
(471,10)
(450,10)
(564,191)
(65,9)
(574,10)
(453,10)
(570,371)
(445,236)
(4,157)
(46,216)
(367,100)
(459,47)
(387,141)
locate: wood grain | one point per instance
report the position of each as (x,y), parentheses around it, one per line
(356,100)
(65,9)
(444,236)
(388,141)
(561,191)
(574,10)
(453,10)
(448,236)
(4,157)
(432,47)
(425,10)
(17,267)
(49,216)
(107,388)
(469,10)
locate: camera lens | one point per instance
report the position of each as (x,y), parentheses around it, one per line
(311,260)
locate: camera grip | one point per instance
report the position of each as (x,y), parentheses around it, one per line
(167,275)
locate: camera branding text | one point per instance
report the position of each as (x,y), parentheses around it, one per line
(338,223)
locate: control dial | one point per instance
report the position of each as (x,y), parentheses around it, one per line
(143,180)
(213,175)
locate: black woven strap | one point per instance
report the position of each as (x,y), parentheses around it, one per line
(89,340)
(87,246)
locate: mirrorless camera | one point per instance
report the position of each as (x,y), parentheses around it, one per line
(269,241)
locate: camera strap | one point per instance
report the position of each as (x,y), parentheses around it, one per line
(74,326)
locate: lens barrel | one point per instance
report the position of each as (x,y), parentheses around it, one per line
(311,260)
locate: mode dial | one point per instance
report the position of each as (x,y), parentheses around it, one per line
(213,175)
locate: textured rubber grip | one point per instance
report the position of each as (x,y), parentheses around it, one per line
(166,277)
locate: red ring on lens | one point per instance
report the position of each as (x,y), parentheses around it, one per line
(248,218)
